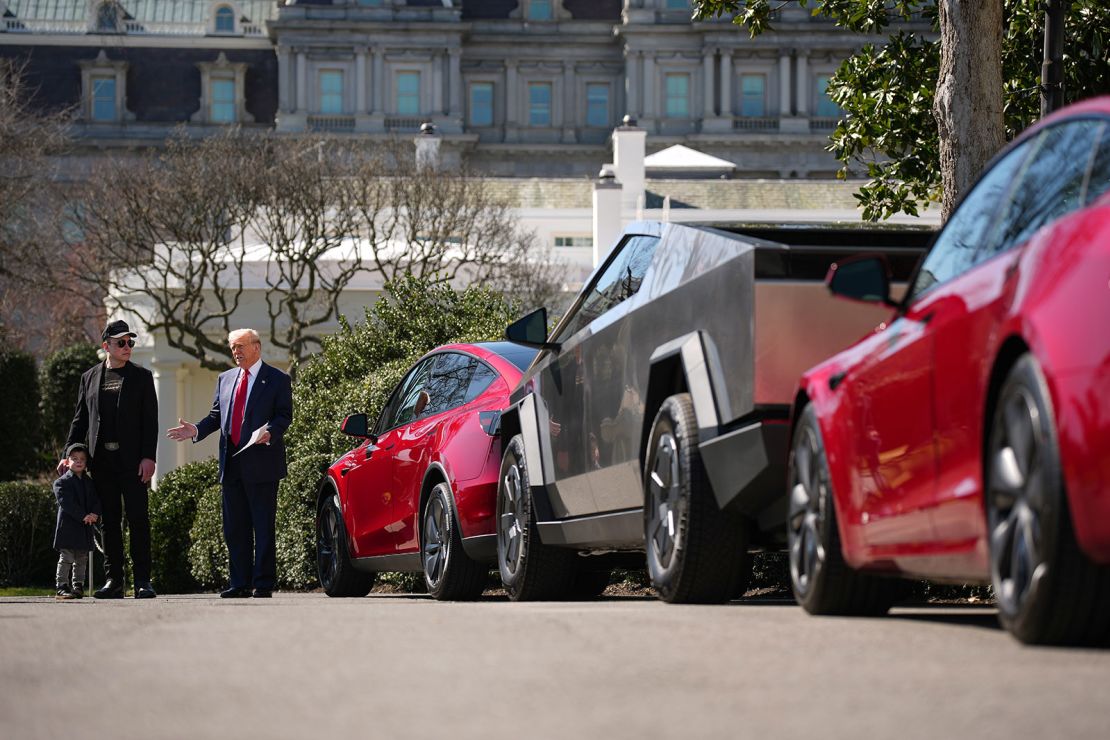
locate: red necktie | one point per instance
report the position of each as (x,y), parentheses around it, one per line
(238,407)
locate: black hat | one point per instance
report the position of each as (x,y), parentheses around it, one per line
(77,447)
(117,329)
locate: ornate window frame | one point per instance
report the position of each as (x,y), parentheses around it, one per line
(221,68)
(236,29)
(102,66)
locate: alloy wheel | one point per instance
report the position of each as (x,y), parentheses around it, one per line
(435,541)
(665,504)
(327,547)
(806,516)
(512,522)
(1016,497)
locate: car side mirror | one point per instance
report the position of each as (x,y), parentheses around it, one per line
(865,279)
(355,425)
(531,331)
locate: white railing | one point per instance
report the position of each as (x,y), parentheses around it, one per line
(406,124)
(753,123)
(19,25)
(134,27)
(823,124)
(331,123)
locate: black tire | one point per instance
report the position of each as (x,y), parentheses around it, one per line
(530,570)
(695,552)
(1047,590)
(338,576)
(589,582)
(823,583)
(449,573)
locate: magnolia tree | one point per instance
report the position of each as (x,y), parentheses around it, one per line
(187,231)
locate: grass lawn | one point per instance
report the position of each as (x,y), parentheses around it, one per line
(20,591)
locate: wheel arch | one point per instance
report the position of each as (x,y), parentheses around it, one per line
(666,377)
(433,476)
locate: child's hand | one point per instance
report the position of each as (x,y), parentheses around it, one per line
(91,518)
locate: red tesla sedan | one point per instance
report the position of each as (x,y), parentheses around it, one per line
(967,439)
(418,492)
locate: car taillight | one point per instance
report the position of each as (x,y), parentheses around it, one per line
(490,421)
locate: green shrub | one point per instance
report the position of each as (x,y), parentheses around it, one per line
(355,371)
(19,424)
(173,510)
(207,551)
(59,382)
(27,517)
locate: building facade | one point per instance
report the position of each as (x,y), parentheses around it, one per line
(518,88)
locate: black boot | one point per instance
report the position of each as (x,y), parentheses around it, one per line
(110,590)
(144,591)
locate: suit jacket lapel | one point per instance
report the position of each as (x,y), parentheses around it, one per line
(257,390)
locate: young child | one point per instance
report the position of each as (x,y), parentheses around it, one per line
(78,510)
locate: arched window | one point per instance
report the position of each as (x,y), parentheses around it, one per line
(107,19)
(225,20)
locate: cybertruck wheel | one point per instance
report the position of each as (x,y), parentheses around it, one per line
(530,570)
(823,583)
(338,576)
(448,572)
(695,552)
(1048,591)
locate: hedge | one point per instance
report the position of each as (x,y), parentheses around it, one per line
(173,510)
(19,424)
(27,517)
(59,382)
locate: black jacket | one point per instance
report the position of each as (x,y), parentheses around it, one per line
(76,499)
(137,423)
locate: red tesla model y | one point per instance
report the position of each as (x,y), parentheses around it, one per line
(418,492)
(967,439)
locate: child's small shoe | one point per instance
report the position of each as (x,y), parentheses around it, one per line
(78,590)
(64,594)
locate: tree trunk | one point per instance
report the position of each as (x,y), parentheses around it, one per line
(968,105)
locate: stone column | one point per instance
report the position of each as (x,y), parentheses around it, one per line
(437,84)
(707,73)
(803,85)
(512,101)
(648,108)
(607,213)
(376,121)
(784,85)
(302,81)
(285,60)
(569,109)
(360,80)
(632,84)
(455,86)
(293,112)
(726,83)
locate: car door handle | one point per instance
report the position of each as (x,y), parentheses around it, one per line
(927,317)
(372,449)
(836,379)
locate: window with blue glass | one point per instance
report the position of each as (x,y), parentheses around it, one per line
(597,104)
(225,20)
(678,96)
(539,10)
(539,103)
(104,98)
(331,91)
(753,95)
(481,104)
(408,93)
(223,101)
(677,4)
(826,108)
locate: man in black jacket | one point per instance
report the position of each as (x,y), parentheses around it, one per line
(117,418)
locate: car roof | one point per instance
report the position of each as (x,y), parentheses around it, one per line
(507,358)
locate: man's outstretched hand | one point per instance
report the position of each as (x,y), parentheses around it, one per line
(183,431)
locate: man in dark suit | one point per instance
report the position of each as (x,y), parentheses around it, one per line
(117,418)
(255,397)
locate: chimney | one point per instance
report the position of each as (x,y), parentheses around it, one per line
(629,143)
(427,147)
(607,213)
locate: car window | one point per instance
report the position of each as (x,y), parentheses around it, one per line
(404,400)
(1098,176)
(1051,183)
(483,376)
(954,251)
(620,280)
(450,378)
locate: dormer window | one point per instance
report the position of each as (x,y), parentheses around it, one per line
(107,18)
(225,20)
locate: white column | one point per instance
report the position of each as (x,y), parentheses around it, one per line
(302,75)
(726,82)
(455,87)
(648,108)
(607,214)
(803,85)
(707,73)
(169,410)
(784,85)
(512,101)
(360,81)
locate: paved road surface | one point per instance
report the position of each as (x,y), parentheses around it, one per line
(305,666)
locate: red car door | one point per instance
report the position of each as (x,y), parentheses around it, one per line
(369,506)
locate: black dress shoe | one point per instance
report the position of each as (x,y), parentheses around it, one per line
(236,592)
(263,593)
(110,590)
(144,591)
